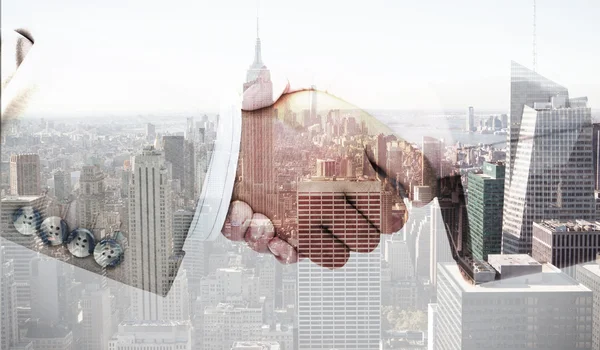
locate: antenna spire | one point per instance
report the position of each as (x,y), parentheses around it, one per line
(534,38)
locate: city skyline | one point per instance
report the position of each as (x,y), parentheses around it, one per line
(413,73)
(391,253)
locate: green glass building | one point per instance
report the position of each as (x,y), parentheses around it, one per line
(484,207)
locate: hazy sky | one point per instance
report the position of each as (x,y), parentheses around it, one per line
(119,55)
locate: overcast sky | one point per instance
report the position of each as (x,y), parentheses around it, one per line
(144,56)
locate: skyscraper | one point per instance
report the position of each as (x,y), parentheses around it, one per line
(90,201)
(53,296)
(341,308)
(150,233)
(486,201)
(96,317)
(431,162)
(526,88)
(470,119)
(596,154)
(62,185)
(189,128)
(173,147)
(440,250)
(9,326)
(313,105)
(182,219)
(25,175)
(256,151)
(551,169)
(150,132)
(380,150)
(189,170)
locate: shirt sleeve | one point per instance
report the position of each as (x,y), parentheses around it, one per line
(217,189)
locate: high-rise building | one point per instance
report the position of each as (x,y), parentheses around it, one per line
(96,317)
(326,321)
(9,325)
(173,147)
(565,244)
(53,294)
(395,158)
(398,257)
(189,128)
(256,147)
(182,219)
(367,168)
(313,104)
(523,309)
(470,119)
(153,335)
(347,168)
(380,150)
(325,167)
(189,170)
(431,162)
(596,153)
(21,249)
(486,201)
(91,198)
(526,88)
(150,132)
(62,185)
(439,245)
(589,276)
(150,233)
(25,175)
(423,194)
(125,178)
(551,173)
(431,325)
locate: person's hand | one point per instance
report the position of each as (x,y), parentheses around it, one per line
(254,210)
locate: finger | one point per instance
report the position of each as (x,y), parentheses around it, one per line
(320,246)
(238,220)
(282,251)
(260,232)
(357,222)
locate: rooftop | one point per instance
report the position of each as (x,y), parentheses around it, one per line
(20,198)
(593,268)
(552,280)
(569,226)
(512,259)
(338,185)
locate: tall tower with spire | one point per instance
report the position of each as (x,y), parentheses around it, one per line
(257,186)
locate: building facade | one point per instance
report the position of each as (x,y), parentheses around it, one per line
(565,244)
(513,312)
(485,205)
(551,174)
(25,175)
(326,320)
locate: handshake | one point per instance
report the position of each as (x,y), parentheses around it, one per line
(317,177)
